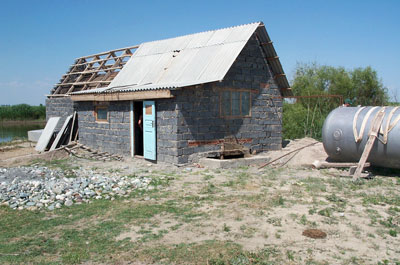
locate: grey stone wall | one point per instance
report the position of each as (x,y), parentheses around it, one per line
(197,111)
(112,136)
(59,107)
(167,136)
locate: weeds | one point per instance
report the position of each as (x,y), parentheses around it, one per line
(226,228)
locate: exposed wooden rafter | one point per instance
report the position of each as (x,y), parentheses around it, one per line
(93,71)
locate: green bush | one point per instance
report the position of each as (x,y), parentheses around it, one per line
(22,112)
(306,117)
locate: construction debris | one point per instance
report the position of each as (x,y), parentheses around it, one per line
(82,151)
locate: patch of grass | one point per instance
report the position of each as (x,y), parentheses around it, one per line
(379,199)
(49,234)
(272,173)
(275,221)
(290,255)
(160,181)
(229,183)
(145,211)
(388,222)
(314,185)
(226,228)
(248,231)
(312,211)
(81,232)
(327,212)
(114,170)
(175,227)
(241,178)
(207,252)
(148,235)
(278,201)
(303,220)
(393,210)
(393,233)
(210,188)
(208,177)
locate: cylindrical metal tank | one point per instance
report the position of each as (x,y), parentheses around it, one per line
(338,135)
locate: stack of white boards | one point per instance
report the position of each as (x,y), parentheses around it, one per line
(47,134)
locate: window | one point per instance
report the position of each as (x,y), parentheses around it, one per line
(102,114)
(235,103)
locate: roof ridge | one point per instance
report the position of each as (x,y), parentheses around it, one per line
(201,32)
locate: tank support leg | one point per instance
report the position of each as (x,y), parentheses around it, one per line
(373,134)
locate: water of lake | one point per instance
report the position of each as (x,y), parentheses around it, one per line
(9,132)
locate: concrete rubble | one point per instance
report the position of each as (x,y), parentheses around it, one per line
(39,187)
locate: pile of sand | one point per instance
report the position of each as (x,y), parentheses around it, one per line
(308,150)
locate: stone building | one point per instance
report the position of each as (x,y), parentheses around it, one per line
(178,99)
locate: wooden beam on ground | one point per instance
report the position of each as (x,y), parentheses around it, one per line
(322,164)
(136,95)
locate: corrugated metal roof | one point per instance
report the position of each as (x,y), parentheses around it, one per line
(195,59)
(190,60)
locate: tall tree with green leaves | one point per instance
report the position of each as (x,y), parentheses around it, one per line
(305,118)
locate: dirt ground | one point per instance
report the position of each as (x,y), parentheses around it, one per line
(23,152)
(16,149)
(264,210)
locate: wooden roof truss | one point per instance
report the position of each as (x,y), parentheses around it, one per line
(93,71)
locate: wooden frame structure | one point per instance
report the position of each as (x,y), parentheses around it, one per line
(93,71)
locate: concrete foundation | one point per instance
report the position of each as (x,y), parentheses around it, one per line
(34,135)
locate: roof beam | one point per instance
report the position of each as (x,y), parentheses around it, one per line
(135,95)
(85,68)
(104,53)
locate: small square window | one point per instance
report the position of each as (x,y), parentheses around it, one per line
(102,114)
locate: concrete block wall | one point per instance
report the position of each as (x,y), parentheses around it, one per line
(112,136)
(167,136)
(59,107)
(197,109)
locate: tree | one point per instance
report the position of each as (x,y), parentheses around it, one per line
(305,118)
(360,85)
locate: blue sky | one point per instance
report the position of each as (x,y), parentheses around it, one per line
(40,39)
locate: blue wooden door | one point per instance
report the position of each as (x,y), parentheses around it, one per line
(149,130)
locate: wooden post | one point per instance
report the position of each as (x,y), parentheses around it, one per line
(373,134)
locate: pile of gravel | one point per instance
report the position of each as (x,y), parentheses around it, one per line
(38,187)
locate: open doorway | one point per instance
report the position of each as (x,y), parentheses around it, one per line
(138,127)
